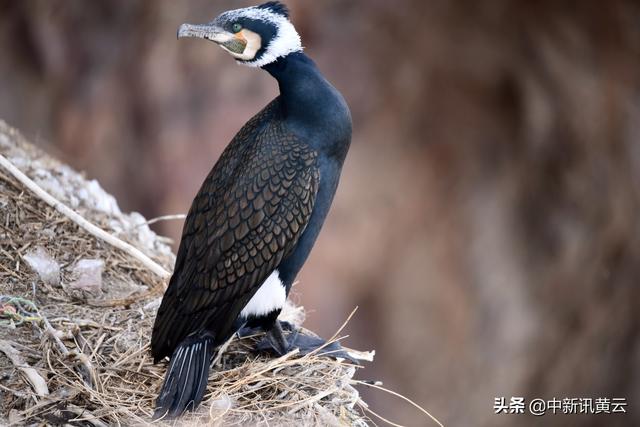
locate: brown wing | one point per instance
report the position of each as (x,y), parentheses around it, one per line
(246,218)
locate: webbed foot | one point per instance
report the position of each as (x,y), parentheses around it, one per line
(280,343)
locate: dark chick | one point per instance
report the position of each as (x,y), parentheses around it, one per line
(258,213)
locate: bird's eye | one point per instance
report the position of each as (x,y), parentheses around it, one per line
(236,27)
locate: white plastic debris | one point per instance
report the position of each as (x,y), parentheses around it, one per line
(88,273)
(141,230)
(94,196)
(223,403)
(153,305)
(43,264)
(49,183)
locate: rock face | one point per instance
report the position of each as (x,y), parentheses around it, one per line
(76,316)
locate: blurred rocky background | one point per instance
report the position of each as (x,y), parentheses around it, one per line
(487,220)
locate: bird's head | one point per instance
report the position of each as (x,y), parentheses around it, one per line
(254,36)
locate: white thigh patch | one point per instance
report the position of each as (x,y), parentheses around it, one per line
(269,297)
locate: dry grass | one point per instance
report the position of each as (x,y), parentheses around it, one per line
(91,349)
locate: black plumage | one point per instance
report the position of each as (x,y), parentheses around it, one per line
(276,7)
(257,214)
(247,217)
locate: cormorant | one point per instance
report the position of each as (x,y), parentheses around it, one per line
(258,213)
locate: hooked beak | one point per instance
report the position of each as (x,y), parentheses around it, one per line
(205,31)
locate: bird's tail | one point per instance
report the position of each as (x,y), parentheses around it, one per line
(186,378)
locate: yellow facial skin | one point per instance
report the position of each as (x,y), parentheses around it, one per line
(244,45)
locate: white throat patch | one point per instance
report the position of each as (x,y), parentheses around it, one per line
(270,296)
(286,41)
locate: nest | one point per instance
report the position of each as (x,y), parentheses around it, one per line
(74,345)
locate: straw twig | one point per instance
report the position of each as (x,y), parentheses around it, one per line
(80,221)
(163,218)
(393,393)
(35,379)
(86,370)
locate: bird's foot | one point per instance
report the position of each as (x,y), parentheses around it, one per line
(248,331)
(280,343)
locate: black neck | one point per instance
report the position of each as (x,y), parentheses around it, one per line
(302,88)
